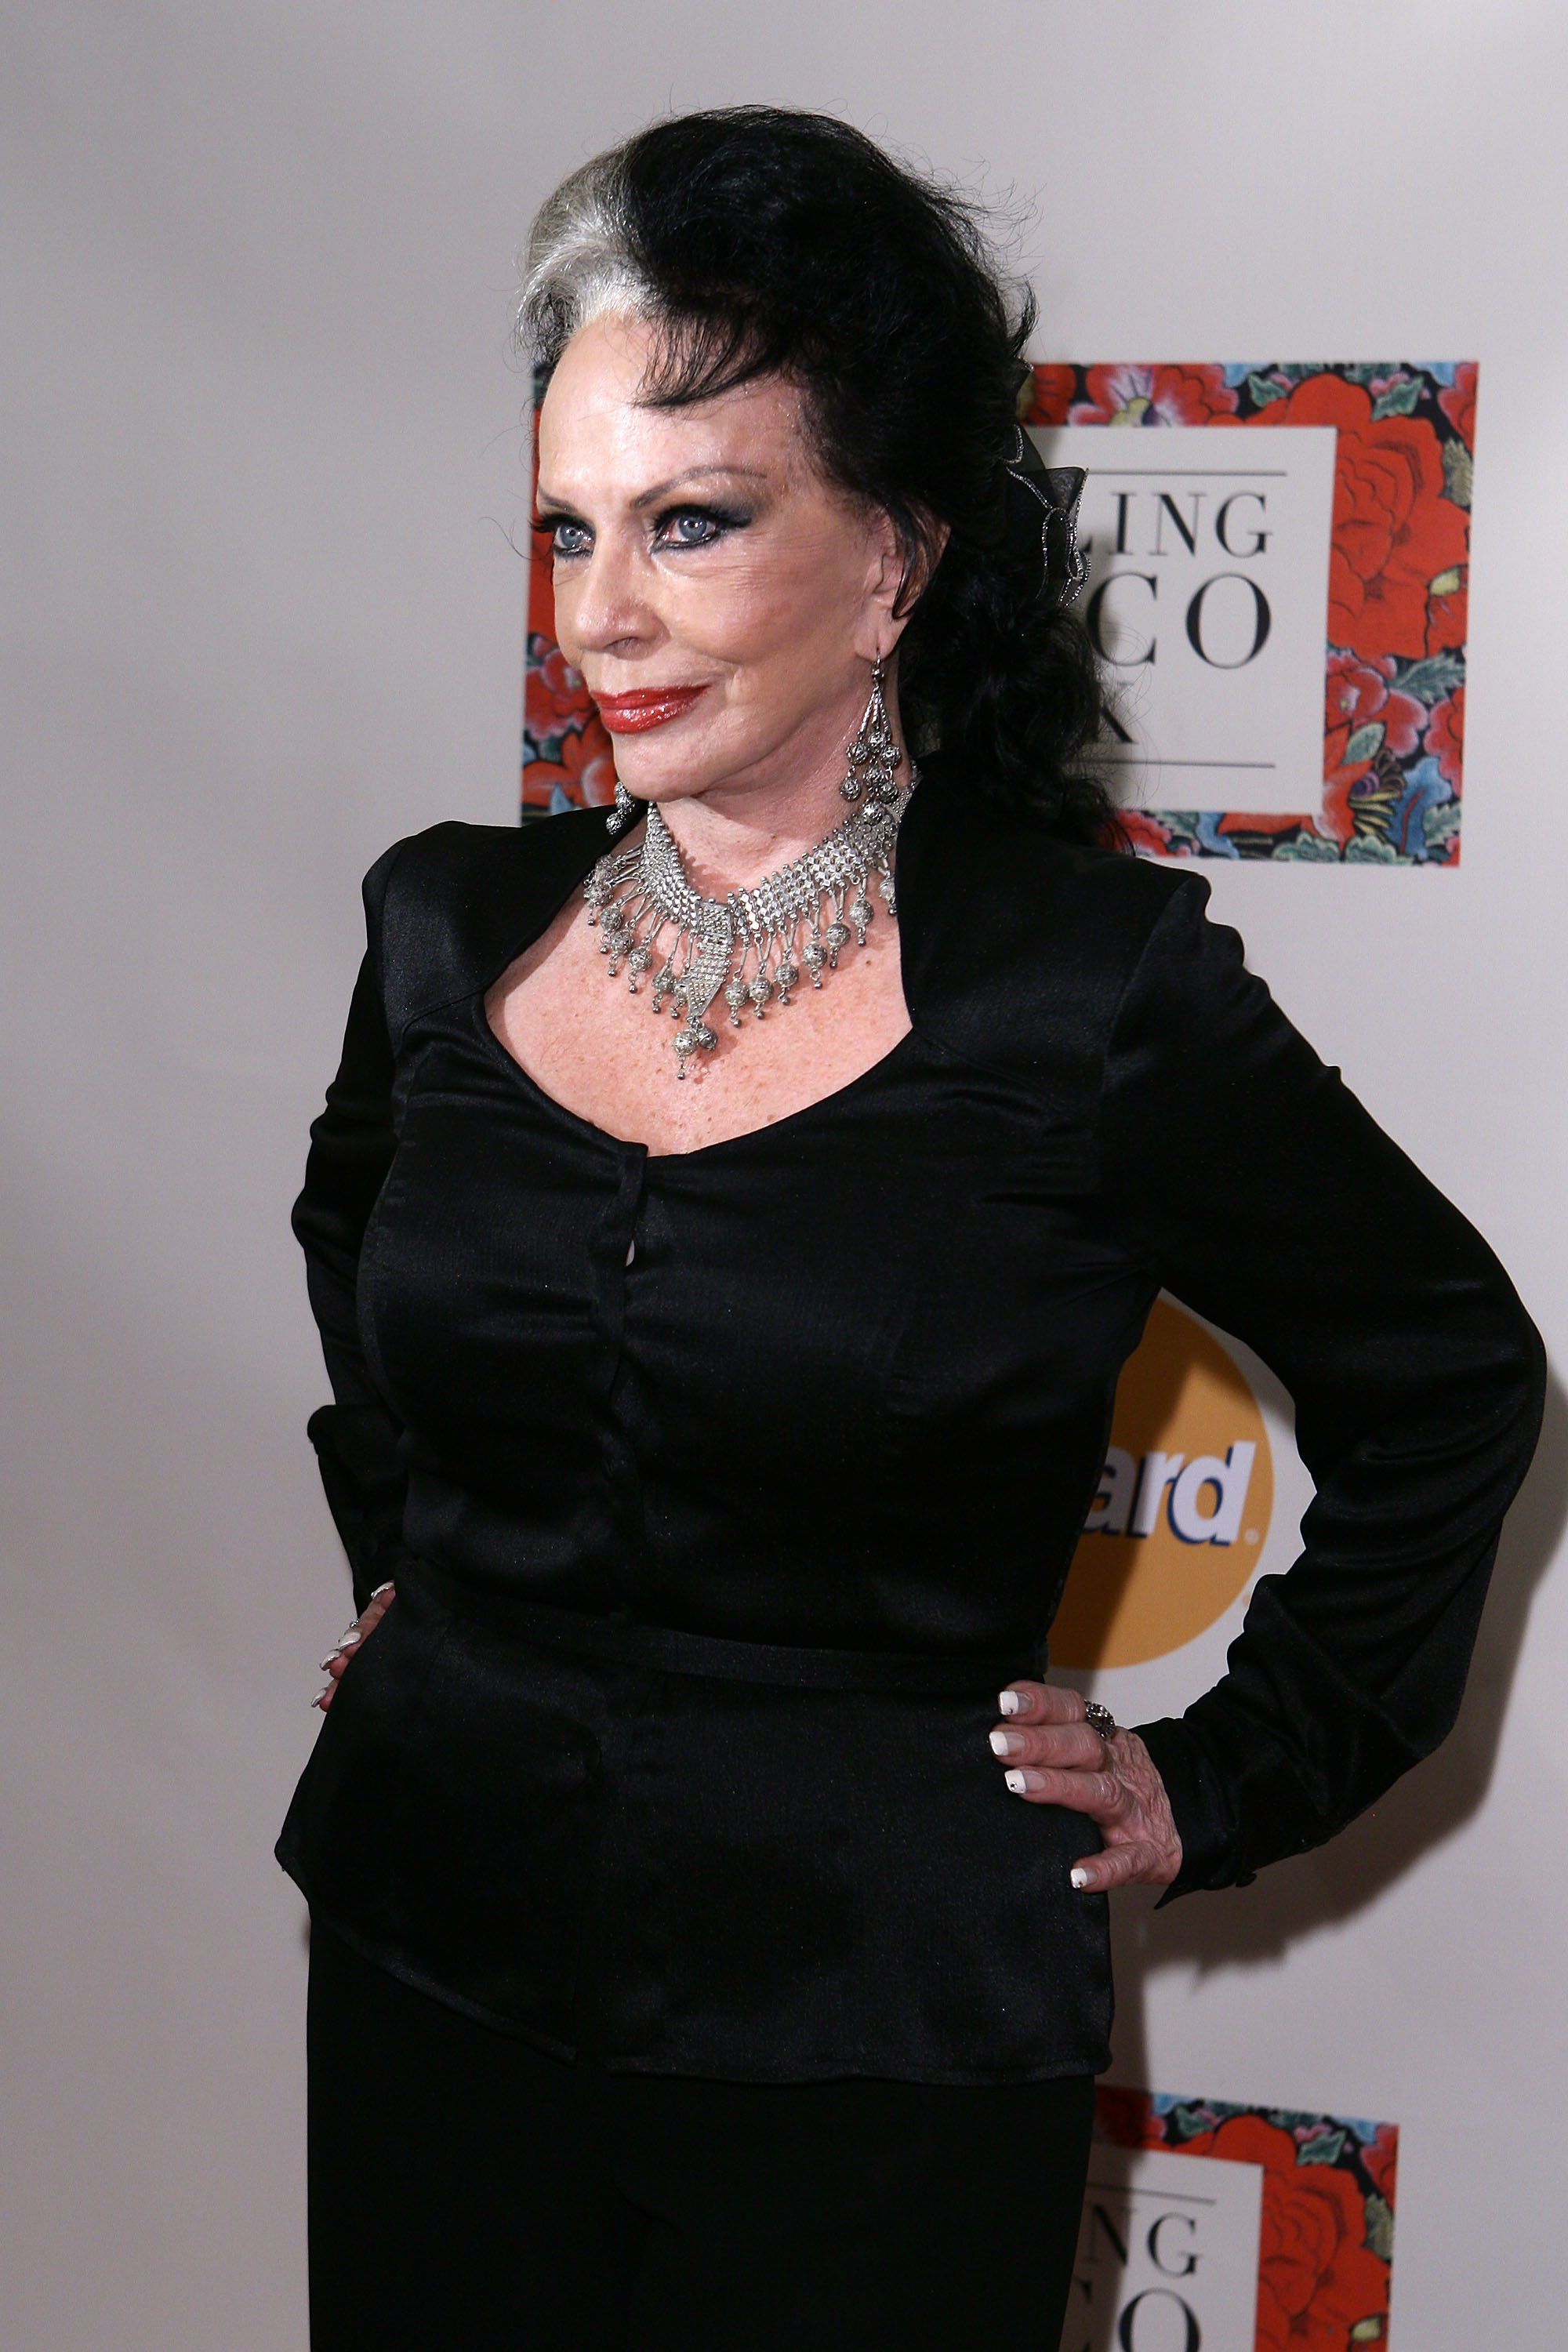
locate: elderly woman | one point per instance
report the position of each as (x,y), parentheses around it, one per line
(726,1229)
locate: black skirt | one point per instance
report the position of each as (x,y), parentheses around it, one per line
(468,2190)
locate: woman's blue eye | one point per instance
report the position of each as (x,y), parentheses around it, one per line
(691,530)
(569,539)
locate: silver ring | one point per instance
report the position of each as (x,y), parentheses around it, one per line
(1099,1718)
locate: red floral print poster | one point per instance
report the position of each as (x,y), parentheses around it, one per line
(1325,2236)
(1393,704)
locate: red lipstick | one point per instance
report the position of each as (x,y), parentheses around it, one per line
(646,707)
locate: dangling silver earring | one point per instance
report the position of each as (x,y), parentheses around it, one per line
(873,756)
(621,815)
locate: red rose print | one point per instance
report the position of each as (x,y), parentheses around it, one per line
(560,687)
(1381,2159)
(1052,393)
(1358,695)
(1333,819)
(1448,614)
(1317,2276)
(1457,401)
(1136,393)
(541,713)
(595,762)
(1147,833)
(586,771)
(1395,532)
(1445,736)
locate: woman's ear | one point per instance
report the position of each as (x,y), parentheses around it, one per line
(900,570)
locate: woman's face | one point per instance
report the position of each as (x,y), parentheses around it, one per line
(721,600)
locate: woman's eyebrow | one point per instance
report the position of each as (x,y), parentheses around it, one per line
(695,474)
(547,503)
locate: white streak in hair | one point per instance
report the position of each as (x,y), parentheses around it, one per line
(579,261)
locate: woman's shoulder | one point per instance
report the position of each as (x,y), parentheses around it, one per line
(447,908)
(458,864)
(1016,944)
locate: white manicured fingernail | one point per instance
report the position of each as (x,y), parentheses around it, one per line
(329,1660)
(1017,1783)
(1006,1743)
(380,1588)
(1079,1879)
(321,1694)
(1010,1702)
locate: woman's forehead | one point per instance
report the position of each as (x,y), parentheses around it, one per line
(596,413)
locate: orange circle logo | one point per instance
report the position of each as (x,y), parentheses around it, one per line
(1182,1514)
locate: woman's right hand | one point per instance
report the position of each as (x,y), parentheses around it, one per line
(334,1664)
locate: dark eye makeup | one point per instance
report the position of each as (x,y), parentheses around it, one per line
(696,526)
(679,527)
(560,530)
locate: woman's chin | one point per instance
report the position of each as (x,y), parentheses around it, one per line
(658,777)
(682,761)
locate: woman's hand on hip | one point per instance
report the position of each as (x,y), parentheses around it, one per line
(337,1661)
(1055,1756)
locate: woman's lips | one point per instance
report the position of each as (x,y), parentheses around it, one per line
(648,706)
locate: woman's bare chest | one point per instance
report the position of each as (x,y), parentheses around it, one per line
(604,1049)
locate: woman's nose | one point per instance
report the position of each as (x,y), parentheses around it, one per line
(607,608)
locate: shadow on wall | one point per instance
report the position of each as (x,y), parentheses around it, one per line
(1290,1899)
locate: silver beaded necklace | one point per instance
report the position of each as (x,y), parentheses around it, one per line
(642,904)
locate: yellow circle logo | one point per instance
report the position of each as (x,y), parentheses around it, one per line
(1182,1514)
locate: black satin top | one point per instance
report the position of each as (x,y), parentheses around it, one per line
(722,1489)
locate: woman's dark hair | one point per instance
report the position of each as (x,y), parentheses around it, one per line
(762,240)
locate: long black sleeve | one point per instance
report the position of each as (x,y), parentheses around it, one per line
(357,1437)
(1266,1197)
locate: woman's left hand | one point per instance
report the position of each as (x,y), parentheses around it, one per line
(336,1662)
(1055,1756)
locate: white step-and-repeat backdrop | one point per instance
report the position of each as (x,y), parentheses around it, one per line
(267,485)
